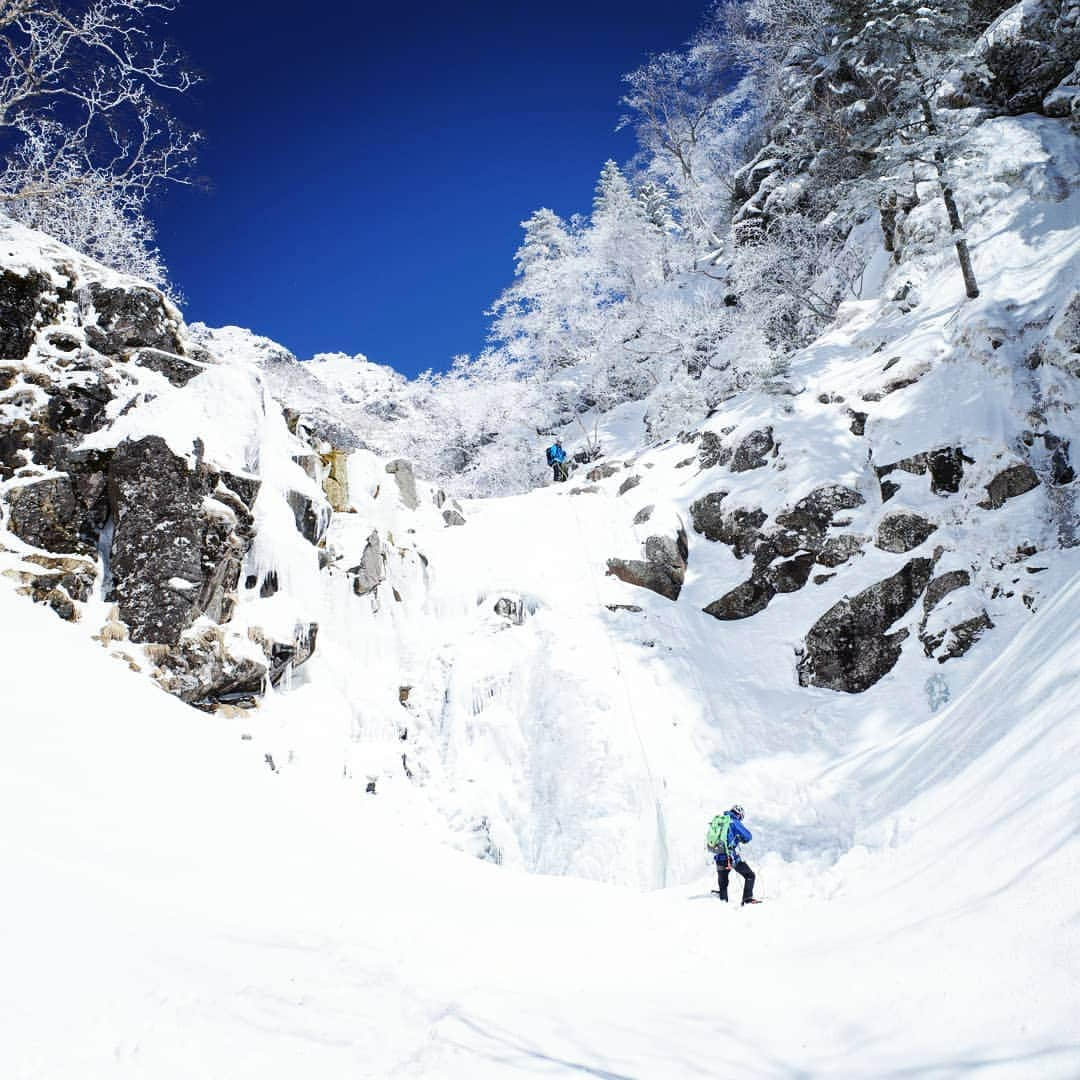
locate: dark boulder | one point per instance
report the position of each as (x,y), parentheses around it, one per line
(130,318)
(453,517)
(947,469)
(663,569)
(1010,482)
(792,575)
(712,451)
(902,531)
(849,647)
(839,549)
(738,528)
(753,450)
(858,421)
(1029,59)
(814,513)
(743,601)
(629,484)
(643,515)
(942,585)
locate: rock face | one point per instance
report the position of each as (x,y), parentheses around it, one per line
(24,306)
(46,515)
(753,450)
(1010,482)
(663,569)
(162,538)
(179,539)
(1032,55)
(130,318)
(402,472)
(902,532)
(643,515)
(849,647)
(799,537)
(629,483)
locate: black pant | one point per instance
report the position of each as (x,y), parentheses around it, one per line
(723,872)
(560,471)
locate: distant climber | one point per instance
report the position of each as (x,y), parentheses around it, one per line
(556,458)
(726,833)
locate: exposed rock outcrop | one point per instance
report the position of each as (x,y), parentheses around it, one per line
(713,451)
(752,452)
(739,528)
(743,601)
(132,317)
(902,531)
(945,466)
(849,648)
(663,569)
(180,536)
(27,302)
(1008,484)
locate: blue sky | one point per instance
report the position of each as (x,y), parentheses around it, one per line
(369,165)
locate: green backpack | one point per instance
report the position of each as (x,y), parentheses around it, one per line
(716,836)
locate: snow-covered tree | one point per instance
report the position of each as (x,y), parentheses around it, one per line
(84,139)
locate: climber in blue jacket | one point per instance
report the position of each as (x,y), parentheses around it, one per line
(556,458)
(728,858)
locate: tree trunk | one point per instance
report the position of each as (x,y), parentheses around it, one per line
(971,286)
(962,252)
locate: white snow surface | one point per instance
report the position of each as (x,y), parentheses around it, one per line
(222,896)
(176,909)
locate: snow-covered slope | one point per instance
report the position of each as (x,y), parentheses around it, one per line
(178,909)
